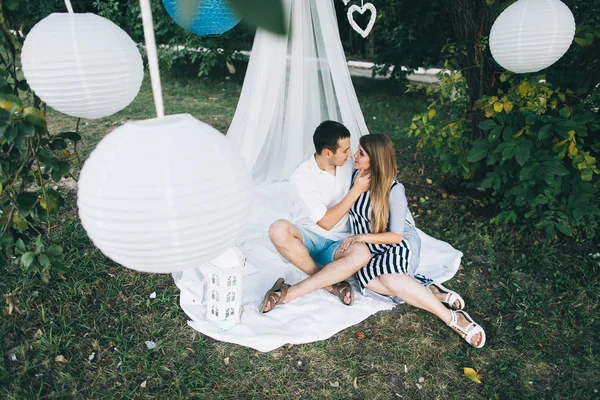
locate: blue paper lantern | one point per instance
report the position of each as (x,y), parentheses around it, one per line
(213,17)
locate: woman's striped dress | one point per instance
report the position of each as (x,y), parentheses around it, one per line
(386,258)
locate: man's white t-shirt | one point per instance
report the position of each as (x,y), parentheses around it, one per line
(314,191)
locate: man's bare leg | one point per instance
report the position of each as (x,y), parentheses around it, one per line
(288,241)
(342,268)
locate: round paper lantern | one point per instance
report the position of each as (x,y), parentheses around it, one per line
(164,195)
(213,17)
(531,35)
(82,65)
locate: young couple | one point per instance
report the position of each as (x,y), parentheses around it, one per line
(334,195)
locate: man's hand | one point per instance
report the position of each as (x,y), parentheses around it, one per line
(362,181)
(349,241)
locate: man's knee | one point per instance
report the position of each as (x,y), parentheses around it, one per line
(279,231)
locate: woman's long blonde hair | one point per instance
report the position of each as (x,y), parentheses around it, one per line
(382,154)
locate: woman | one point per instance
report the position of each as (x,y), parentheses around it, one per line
(378,218)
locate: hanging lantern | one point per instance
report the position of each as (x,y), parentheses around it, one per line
(82,65)
(163,195)
(211,17)
(531,35)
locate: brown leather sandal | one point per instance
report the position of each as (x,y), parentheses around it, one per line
(275,295)
(341,289)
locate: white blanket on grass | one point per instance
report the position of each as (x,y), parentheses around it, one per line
(316,316)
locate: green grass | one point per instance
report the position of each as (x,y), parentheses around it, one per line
(537,302)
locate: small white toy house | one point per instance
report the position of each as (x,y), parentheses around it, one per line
(224,287)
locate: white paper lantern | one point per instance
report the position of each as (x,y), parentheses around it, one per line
(164,195)
(82,65)
(531,35)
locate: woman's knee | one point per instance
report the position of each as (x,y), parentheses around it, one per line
(361,253)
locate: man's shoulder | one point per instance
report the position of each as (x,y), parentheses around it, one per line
(303,170)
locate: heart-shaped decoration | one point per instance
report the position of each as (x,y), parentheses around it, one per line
(361,10)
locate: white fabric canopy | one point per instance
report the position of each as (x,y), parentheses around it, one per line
(292,84)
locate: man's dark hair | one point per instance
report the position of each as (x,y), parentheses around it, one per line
(327,135)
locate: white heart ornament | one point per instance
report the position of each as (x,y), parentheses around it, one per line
(364,33)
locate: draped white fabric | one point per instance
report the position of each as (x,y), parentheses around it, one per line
(293,83)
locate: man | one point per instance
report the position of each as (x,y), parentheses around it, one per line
(321,190)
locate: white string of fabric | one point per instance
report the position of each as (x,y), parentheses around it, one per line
(152,57)
(69,6)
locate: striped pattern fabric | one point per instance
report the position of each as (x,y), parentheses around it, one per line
(385,258)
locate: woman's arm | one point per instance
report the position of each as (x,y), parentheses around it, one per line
(373,238)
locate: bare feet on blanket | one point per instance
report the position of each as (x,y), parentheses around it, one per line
(463,323)
(441,296)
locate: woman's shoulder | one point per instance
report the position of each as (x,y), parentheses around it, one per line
(397,191)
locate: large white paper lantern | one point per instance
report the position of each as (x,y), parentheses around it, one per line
(164,195)
(531,35)
(82,65)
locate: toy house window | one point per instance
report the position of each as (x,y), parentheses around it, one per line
(215,311)
(231,281)
(229,312)
(230,297)
(215,279)
(215,295)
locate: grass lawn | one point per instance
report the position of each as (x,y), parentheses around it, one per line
(537,302)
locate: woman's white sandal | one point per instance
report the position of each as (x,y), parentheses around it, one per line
(451,296)
(467,332)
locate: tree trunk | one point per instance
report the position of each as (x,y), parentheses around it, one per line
(472,21)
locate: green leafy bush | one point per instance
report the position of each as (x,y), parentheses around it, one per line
(32,162)
(537,154)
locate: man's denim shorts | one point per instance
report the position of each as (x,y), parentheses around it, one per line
(321,249)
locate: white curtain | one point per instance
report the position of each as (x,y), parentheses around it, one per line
(292,84)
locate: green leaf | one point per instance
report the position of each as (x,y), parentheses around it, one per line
(27,259)
(530,119)
(54,250)
(39,245)
(495,133)
(26,201)
(44,156)
(10,103)
(26,129)
(581,41)
(20,245)
(529,170)
(487,125)
(564,228)
(479,150)
(11,133)
(12,5)
(44,260)
(523,152)
(508,132)
(545,132)
(58,144)
(565,112)
(266,14)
